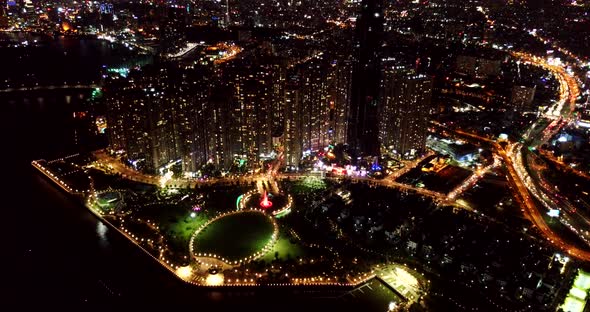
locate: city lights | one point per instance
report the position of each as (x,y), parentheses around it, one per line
(184,272)
(404,155)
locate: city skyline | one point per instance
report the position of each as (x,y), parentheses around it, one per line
(332,155)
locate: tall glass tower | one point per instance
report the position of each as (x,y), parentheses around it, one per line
(363,122)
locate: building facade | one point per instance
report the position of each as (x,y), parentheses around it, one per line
(156,117)
(362,122)
(405,109)
(316,107)
(522,97)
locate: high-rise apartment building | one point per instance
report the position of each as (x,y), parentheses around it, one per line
(405,107)
(258,107)
(315,81)
(157,117)
(522,97)
(236,112)
(292,136)
(340,101)
(316,106)
(173,29)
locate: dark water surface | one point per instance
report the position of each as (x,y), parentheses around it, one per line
(54,61)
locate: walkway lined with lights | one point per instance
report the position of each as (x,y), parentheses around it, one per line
(205,258)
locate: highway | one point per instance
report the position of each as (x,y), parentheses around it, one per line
(522,194)
(514,155)
(568,86)
(571,216)
(561,112)
(548,156)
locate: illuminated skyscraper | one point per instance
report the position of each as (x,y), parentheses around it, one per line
(316,80)
(161,116)
(340,104)
(253,109)
(405,108)
(173,28)
(141,120)
(316,105)
(292,131)
(363,126)
(227,17)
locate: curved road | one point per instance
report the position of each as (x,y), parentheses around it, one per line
(513,157)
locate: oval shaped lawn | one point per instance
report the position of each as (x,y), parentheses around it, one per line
(235,236)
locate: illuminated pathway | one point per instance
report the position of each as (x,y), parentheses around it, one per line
(107,162)
(439,198)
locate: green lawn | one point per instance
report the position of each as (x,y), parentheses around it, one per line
(307,185)
(108,201)
(175,223)
(176,218)
(235,236)
(186,225)
(286,250)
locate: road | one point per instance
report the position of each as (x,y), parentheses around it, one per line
(561,112)
(549,156)
(522,194)
(568,86)
(571,216)
(512,157)
(474,178)
(522,184)
(111,164)
(520,175)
